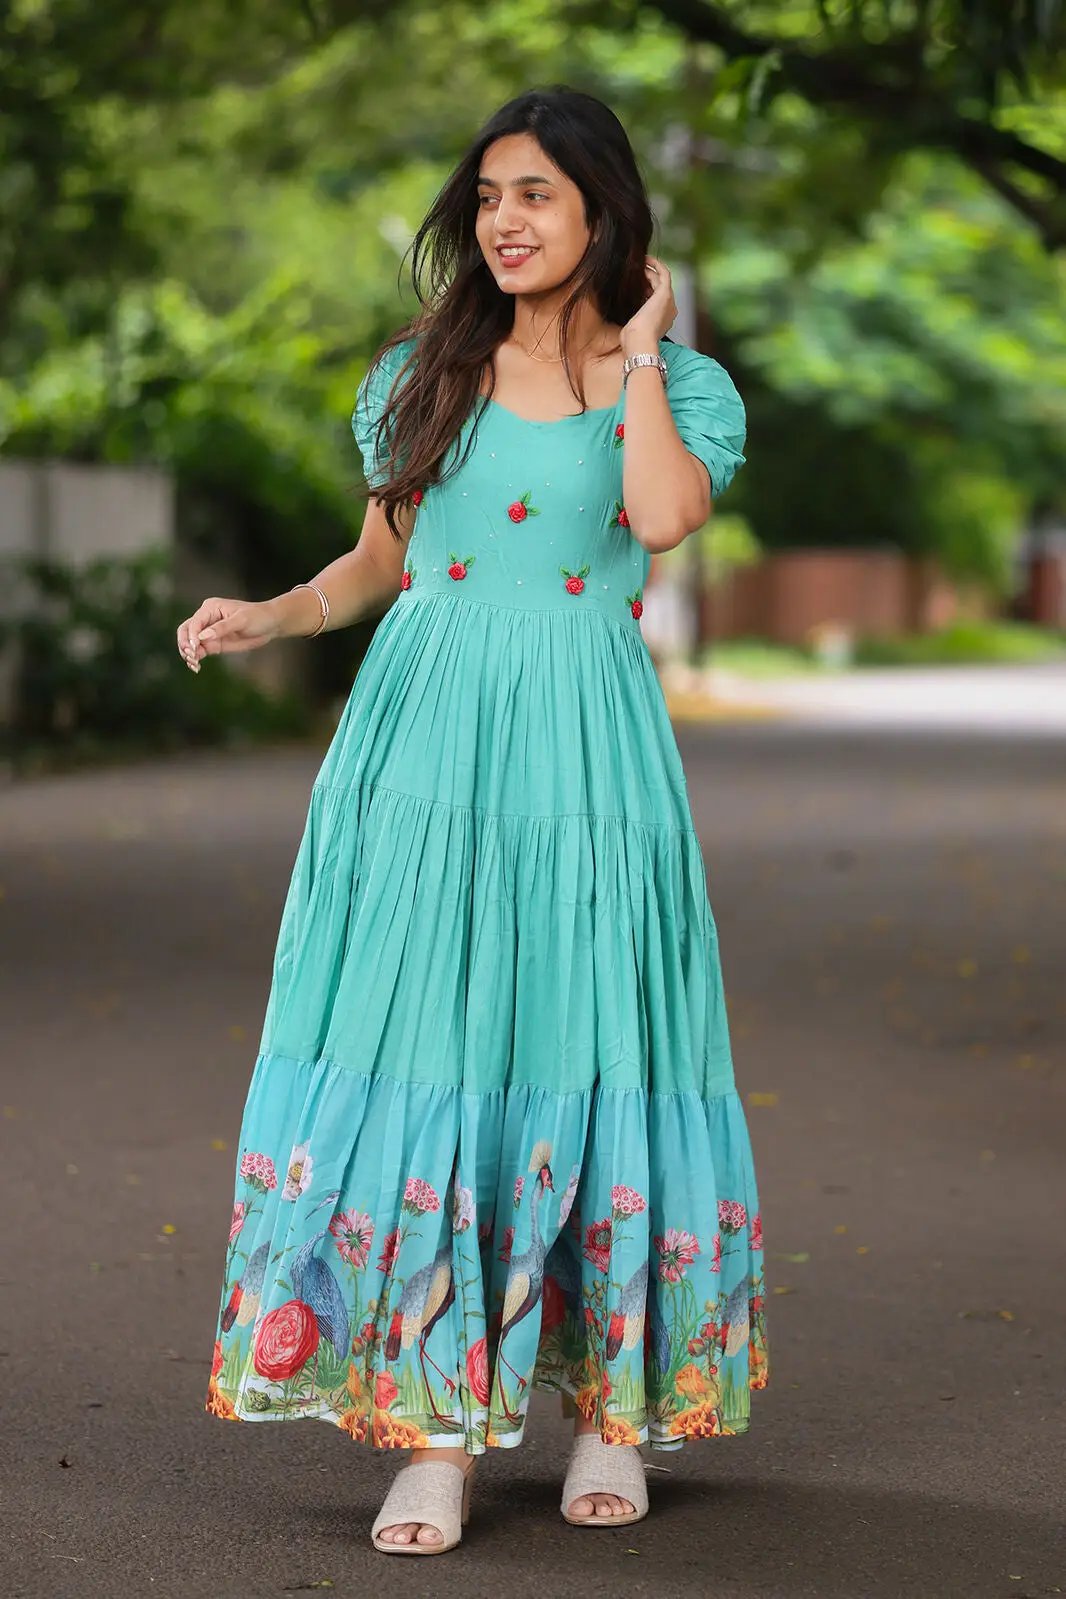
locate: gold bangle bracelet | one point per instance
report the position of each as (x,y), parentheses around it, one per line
(323,602)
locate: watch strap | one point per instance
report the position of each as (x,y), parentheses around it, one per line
(631,362)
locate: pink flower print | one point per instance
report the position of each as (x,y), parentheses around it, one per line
(621,515)
(756,1231)
(459,568)
(519,1184)
(522,508)
(598,1243)
(239,1212)
(635,603)
(408,578)
(419,1196)
(732,1215)
(390,1248)
(416,498)
(259,1171)
(676,1251)
(353,1233)
(575,581)
(716,1258)
(507,1246)
(626,1201)
(619,435)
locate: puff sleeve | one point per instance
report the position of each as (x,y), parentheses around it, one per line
(708,412)
(370,401)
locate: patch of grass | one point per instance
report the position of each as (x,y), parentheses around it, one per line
(755,657)
(964,644)
(961,644)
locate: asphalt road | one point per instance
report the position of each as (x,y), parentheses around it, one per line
(890,909)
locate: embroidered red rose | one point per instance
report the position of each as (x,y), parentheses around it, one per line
(635,603)
(575,581)
(459,568)
(408,577)
(417,497)
(621,515)
(520,509)
(619,435)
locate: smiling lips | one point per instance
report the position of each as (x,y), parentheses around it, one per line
(515,255)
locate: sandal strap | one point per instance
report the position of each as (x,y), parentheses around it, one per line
(429,1491)
(599,1468)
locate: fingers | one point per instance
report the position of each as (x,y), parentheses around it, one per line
(213,637)
(190,631)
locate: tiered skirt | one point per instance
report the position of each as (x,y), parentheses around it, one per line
(492,1139)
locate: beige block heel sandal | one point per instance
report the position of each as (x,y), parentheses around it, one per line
(599,1468)
(433,1492)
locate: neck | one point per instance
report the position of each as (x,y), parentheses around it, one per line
(536,324)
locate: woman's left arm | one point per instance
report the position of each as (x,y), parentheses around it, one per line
(666,490)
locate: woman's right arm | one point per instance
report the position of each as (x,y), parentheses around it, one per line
(363,582)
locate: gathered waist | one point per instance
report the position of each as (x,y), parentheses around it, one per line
(610,602)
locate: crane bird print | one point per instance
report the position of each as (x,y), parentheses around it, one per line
(315,1285)
(525,1278)
(427,1296)
(247,1290)
(626,1326)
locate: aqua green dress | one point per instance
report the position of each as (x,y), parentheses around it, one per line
(492,1138)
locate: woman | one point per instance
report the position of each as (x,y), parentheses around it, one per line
(492,1139)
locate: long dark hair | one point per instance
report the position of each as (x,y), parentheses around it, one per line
(464,315)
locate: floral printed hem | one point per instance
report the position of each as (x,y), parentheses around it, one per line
(416,1301)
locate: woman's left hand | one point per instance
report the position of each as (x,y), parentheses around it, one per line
(641,334)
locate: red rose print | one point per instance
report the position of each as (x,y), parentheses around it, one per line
(621,515)
(575,581)
(285,1340)
(408,577)
(520,509)
(619,435)
(417,497)
(477,1371)
(635,603)
(458,568)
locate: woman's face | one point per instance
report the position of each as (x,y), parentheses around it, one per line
(531,217)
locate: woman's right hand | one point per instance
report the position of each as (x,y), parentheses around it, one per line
(222,627)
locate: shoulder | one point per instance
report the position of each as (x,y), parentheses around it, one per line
(387,365)
(691,371)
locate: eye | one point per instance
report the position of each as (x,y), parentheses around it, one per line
(484,199)
(534,194)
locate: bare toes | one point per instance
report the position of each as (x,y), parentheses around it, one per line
(429,1534)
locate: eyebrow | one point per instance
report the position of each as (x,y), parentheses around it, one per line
(530,177)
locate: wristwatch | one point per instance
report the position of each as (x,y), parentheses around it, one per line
(632,361)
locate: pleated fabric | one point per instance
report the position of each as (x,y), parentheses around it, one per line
(492,1139)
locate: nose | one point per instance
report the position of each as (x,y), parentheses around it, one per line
(507,220)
